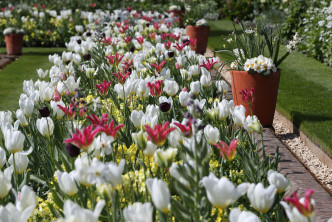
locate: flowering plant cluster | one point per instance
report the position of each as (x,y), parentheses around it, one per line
(246,47)
(129,124)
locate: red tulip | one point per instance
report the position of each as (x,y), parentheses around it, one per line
(83,139)
(307,208)
(159,133)
(227,152)
(103,88)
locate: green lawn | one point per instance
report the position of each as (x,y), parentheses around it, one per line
(24,68)
(305,90)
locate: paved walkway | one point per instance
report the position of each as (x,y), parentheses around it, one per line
(6,59)
(300,178)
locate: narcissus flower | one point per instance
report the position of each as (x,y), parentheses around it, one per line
(227,152)
(159,133)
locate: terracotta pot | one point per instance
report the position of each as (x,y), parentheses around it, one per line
(179,14)
(265,96)
(201,33)
(14,44)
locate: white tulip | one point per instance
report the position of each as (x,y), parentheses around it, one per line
(2,157)
(194,70)
(26,105)
(278,180)
(45,126)
(160,194)
(252,124)
(115,172)
(138,212)
(21,160)
(211,134)
(222,86)
(223,109)
(71,84)
(261,199)
(171,87)
(21,117)
(26,200)
(206,80)
(74,212)
(222,192)
(6,117)
(195,87)
(45,92)
(164,158)
(136,117)
(14,140)
(57,112)
(5,182)
(239,115)
(150,148)
(186,76)
(66,182)
(237,215)
(41,73)
(294,214)
(62,88)
(183,98)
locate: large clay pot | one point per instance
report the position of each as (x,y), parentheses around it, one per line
(265,96)
(14,44)
(179,14)
(201,33)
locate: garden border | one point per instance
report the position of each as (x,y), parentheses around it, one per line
(300,176)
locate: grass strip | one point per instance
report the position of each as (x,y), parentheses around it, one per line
(24,68)
(304,93)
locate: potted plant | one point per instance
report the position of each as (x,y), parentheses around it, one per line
(177,11)
(14,40)
(252,68)
(196,26)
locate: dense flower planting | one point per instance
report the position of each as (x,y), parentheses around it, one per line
(131,125)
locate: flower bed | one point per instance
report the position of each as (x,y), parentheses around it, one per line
(129,125)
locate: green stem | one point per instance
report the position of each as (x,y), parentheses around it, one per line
(15,174)
(263,147)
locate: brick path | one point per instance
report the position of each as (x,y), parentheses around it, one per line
(300,178)
(6,59)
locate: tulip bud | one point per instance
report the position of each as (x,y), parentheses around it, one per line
(66,182)
(138,212)
(14,140)
(278,180)
(21,162)
(45,126)
(21,117)
(165,158)
(72,150)
(260,198)
(211,134)
(136,117)
(5,182)
(44,112)
(56,96)
(140,139)
(160,194)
